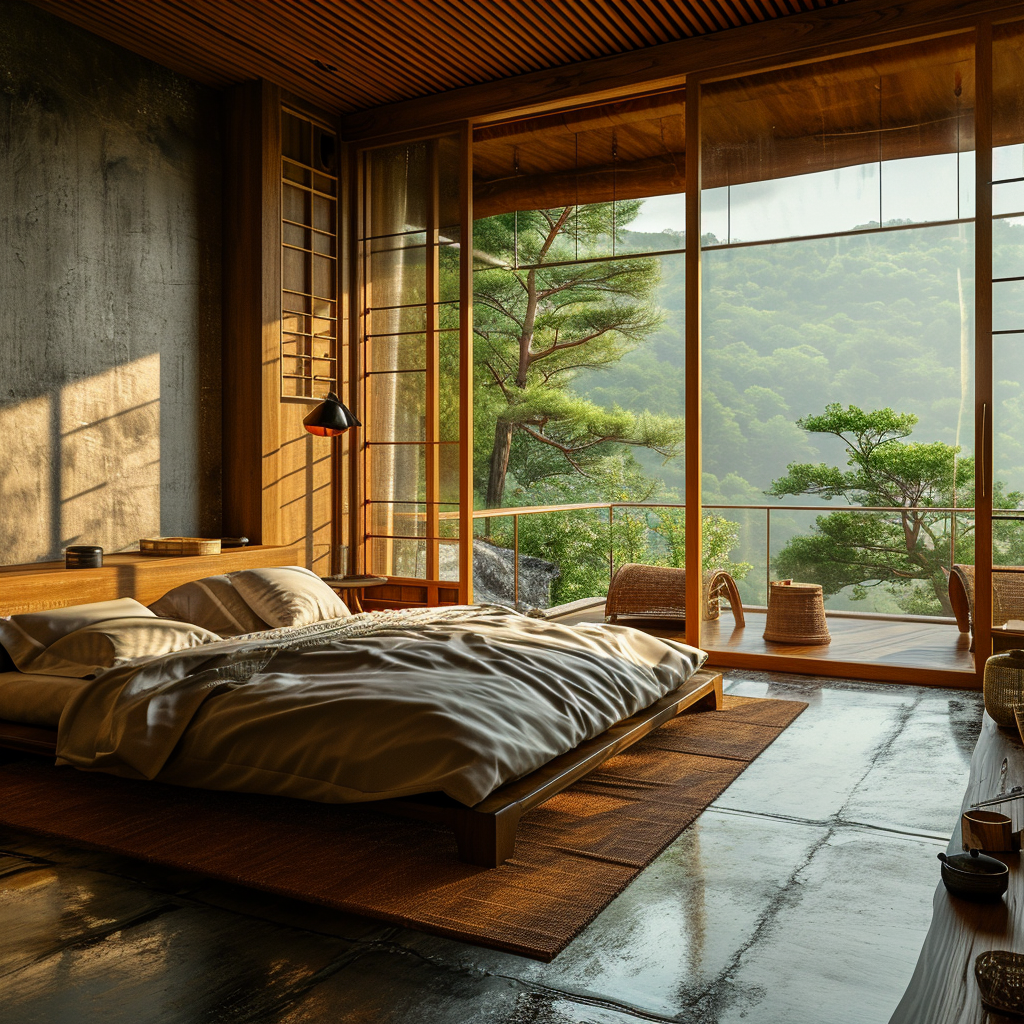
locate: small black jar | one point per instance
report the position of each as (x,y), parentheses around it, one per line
(83,556)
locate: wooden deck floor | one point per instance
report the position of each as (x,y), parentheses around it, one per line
(887,650)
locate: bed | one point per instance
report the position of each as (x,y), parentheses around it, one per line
(361,708)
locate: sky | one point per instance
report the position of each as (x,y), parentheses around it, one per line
(921,189)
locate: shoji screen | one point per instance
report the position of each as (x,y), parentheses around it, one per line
(414,232)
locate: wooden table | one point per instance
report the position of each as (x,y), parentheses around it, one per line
(350,587)
(943,988)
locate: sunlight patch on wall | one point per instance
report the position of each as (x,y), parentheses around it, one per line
(82,466)
(110,456)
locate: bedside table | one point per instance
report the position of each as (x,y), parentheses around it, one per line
(348,588)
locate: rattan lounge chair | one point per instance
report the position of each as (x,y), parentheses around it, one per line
(1007,595)
(659,592)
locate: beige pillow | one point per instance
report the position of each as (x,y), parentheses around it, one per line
(25,636)
(101,645)
(288,596)
(212,603)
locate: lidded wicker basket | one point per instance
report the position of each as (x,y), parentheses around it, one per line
(796,614)
(1004,687)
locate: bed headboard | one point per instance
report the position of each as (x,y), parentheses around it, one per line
(40,585)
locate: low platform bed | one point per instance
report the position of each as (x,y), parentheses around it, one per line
(467,717)
(485,834)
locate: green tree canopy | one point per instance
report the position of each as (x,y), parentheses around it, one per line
(894,549)
(536,329)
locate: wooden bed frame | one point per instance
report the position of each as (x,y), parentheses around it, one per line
(485,834)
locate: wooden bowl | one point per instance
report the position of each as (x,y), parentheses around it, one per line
(973,876)
(988,830)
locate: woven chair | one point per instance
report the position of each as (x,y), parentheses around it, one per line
(659,592)
(796,614)
(1007,595)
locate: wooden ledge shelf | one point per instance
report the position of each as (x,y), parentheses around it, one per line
(41,585)
(943,989)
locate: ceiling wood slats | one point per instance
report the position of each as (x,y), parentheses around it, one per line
(388,51)
(852,26)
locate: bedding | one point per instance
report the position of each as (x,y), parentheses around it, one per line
(252,600)
(288,595)
(84,640)
(35,699)
(25,635)
(212,603)
(458,700)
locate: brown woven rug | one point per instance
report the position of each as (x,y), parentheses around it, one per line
(574,854)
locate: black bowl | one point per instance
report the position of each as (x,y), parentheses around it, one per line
(974,876)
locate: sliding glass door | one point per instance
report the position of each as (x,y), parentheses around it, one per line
(413,317)
(838,356)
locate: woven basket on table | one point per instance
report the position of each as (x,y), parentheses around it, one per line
(796,614)
(659,592)
(1004,687)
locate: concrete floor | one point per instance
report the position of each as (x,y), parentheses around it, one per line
(802,894)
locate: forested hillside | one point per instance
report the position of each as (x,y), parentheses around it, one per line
(878,320)
(873,320)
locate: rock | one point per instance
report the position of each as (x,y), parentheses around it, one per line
(493,576)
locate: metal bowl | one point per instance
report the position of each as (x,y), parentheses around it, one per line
(973,876)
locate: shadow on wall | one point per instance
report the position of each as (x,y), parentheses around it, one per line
(110,237)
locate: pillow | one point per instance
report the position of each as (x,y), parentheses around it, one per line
(212,603)
(25,636)
(288,596)
(101,645)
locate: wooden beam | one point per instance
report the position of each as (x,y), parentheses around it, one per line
(983,433)
(796,37)
(252,303)
(466,215)
(432,340)
(657,176)
(692,364)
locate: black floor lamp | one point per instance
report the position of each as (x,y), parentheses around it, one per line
(331,418)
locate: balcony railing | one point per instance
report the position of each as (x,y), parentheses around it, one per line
(601,535)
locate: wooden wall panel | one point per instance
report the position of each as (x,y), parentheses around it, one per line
(252,270)
(277,477)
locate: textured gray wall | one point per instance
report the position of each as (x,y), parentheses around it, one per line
(110,239)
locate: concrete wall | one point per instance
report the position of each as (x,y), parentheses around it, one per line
(110,237)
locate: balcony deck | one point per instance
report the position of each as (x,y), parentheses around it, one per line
(885,649)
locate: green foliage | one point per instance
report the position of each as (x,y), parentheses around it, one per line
(537,329)
(580,541)
(853,548)
(874,320)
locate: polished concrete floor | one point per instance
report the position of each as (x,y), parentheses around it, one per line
(802,894)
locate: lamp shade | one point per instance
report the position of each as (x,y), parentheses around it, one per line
(330,418)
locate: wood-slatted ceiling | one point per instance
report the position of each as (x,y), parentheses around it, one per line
(374,52)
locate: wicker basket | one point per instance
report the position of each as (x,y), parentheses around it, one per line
(1004,686)
(796,614)
(179,546)
(659,592)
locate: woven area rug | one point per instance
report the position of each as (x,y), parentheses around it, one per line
(574,854)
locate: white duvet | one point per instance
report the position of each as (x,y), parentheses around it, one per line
(458,700)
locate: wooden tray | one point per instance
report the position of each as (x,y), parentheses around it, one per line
(179,546)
